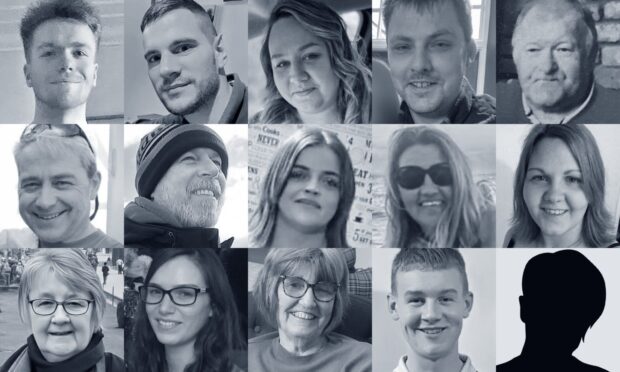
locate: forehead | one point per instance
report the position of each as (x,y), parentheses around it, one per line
(319,158)
(422,155)
(178,24)
(63,32)
(305,270)
(35,161)
(178,271)
(289,36)
(48,283)
(429,281)
(420,24)
(552,153)
(550,23)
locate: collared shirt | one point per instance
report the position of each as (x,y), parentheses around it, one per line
(468,108)
(567,118)
(467,366)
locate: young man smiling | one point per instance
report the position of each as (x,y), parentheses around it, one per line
(429,299)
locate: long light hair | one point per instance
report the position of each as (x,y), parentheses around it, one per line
(459,224)
(263,220)
(596,225)
(354,97)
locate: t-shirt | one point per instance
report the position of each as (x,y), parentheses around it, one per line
(341,353)
(98,239)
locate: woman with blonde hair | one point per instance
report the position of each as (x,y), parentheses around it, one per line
(432,200)
(306,195)
(314,73)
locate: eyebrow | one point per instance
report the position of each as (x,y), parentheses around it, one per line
(74,44)
(192,285)
(302,48)
(332,173)
(50,295)
(434,35)
(442,292)
(543,171)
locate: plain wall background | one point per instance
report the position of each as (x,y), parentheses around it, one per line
(510,140)
(601,341)
(478,335)
(106,99)
(233,219)
(107,152)
(141,99)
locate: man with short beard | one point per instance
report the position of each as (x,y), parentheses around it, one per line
(185,58)
(181,180)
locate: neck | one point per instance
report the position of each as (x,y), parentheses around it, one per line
(559,114)
(570,239)
(449,363)
(44,114)
(89,229)
(327,116)
(431,118)
(211,111)
(179,356)
(302,346)
(286,236)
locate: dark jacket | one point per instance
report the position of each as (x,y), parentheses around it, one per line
(147,225)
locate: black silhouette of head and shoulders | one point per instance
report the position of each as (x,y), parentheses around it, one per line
(563,296)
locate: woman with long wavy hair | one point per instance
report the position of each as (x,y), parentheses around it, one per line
(306,194)
(432,200)
(314,73)
(187,318)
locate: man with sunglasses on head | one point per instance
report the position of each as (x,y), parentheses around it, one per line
(181,181)
(58,179)
(61,40)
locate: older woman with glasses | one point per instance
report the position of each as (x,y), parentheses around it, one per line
(303,293)
(187,318)
(61,299)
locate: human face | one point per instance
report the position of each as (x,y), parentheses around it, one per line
(312,192)
(59,336)
(428,55)
(425,204)
(176,325)
(181,61)
(302,70)
(54,194)
(553,191)
(61,68)
(552,59)
(303,319)
(430,307)
(193,188)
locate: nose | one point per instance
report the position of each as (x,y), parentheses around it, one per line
(555,192)
(166,306)
(308,300)
(298,71)
(209,169)
(431,311)
(420,61)
(67,62)
(313,185)
(168,66)
(60,316)
(46,198)
(548,63)
(428,187)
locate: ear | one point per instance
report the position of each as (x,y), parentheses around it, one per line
(27,74)
(469,303)
(95,182)
(221,58)
(392,309)
(523,308)
(472,50)
(95,75)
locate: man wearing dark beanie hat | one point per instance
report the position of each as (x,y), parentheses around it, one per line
(181,182)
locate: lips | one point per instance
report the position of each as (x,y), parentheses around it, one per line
(432,331)
(431,203)
(554,211)
(205,189)
(422,84)
(48,216)
(203,192)
(303,315)
(60,333)
(303,92)
(169,88)
(167,324)
(309,202)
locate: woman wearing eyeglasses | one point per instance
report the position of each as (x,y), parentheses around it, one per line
(432,200)
(61,299)
(187,318)
(303,293)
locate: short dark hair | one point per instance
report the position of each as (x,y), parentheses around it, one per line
(462,8)
(428,259)
(43,11)
(160,8)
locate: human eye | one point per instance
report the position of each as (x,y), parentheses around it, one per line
(47,53)
(182,48)
(446,300)
(311,56)
(331,181)
(62,184)
(153,291)
(401,47)
(29,186)
(76,305)
(415,301)
(80,53)
(295,283)
(441,45)
(152,58)
(298,174)
(538,178)
(184,292)
(188,158)
(574,180)
(44,303)
(281,64)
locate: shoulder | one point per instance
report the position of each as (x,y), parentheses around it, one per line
(263,339)
(483,110)
(13,359)
(353,355)
(256,118)
(509,239)
(510,108)
(159,119)
(114,363)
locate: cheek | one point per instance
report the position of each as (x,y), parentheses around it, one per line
(578,201)
(280,80)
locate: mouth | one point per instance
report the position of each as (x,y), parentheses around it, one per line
(204,192)
(432,330)
(303,315)
(66,82)
(309,202)
(431,203)
(48,216)
(173,87)
(303,92)
(554,212)
(56,333)
(422,84)
(167,324)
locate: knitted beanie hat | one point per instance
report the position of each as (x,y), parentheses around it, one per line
(161,147)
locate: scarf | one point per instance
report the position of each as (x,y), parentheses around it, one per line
(83,361)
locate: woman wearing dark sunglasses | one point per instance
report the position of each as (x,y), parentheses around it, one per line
(432,200)
(187,318)
(303,293)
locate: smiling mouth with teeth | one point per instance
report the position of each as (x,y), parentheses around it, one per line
(431,203)
(167,324)
(49,216)
(555,212)
(60,333)
(303,315)
(204,192)
(431,331)
(421,84)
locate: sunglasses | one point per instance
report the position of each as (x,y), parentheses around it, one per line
(33,131)
(412,177)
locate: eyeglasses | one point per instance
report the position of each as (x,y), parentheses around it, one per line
(412,177)
(46,306)
(54,130)
(297,287)
(182,296)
